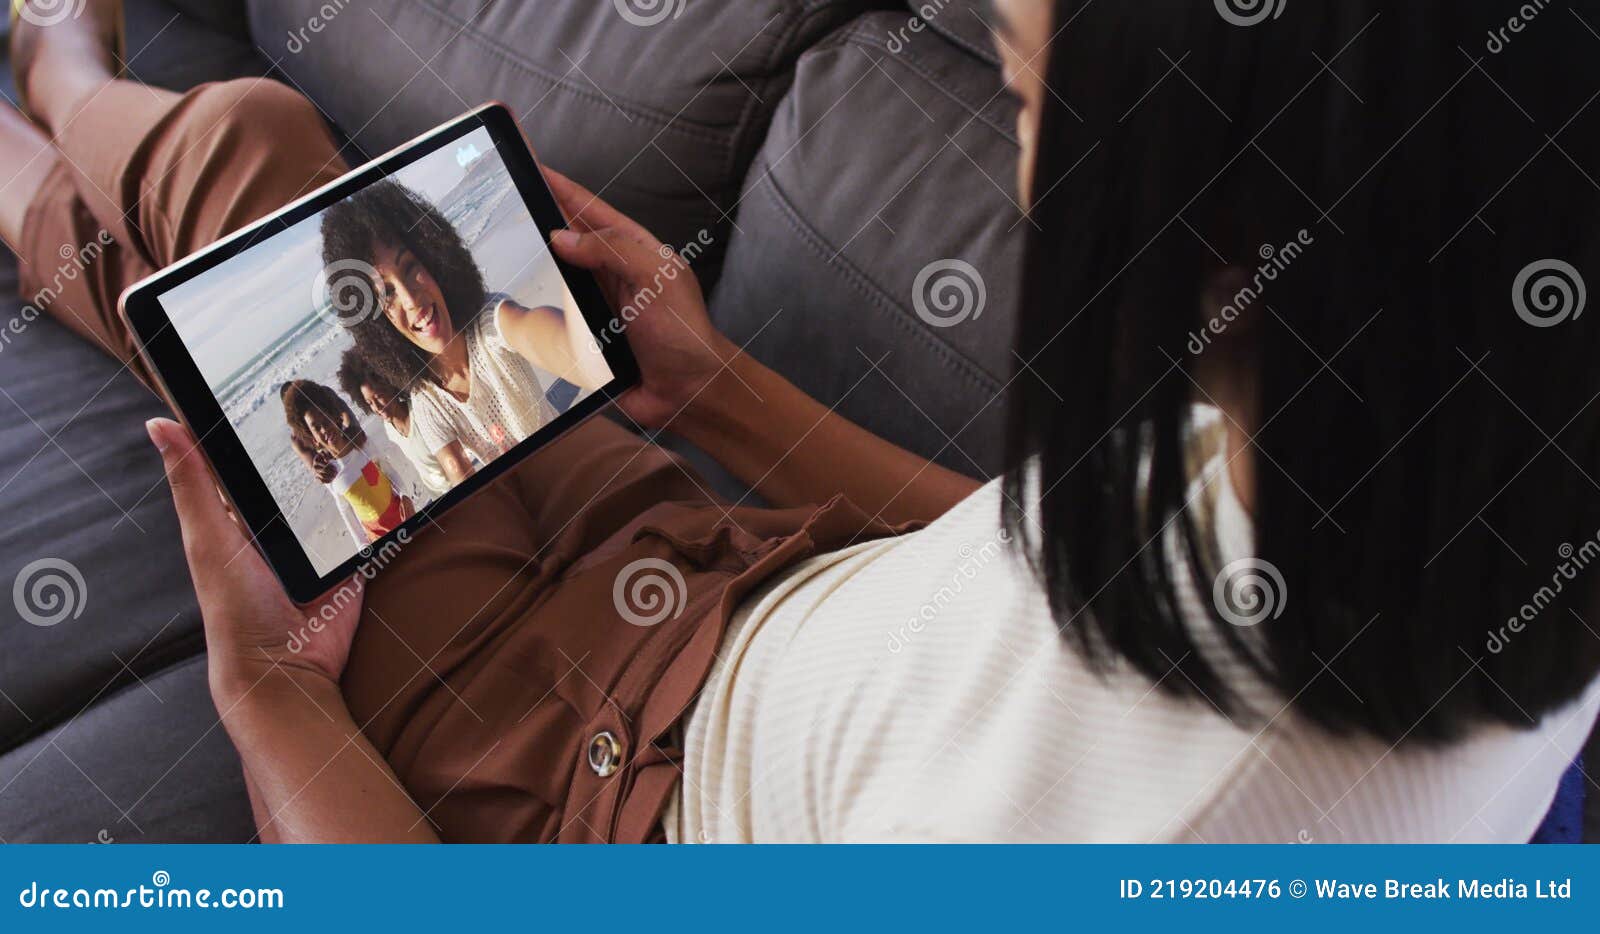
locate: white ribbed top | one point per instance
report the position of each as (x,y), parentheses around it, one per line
(916,689)
(505,402)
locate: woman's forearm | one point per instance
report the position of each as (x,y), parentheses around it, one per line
(312,775)
(793,450)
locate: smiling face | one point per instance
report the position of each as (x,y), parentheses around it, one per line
(388,406)
(413,302)
(329,433)
(1023,40)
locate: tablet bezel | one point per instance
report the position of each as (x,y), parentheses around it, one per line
(196,405)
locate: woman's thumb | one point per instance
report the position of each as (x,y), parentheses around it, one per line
(608,250)
(205,521)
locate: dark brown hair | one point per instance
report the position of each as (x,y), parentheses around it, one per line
(1428,436)
(355,371)
(301,397)
(392,214)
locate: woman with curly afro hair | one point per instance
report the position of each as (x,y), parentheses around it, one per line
(465,355)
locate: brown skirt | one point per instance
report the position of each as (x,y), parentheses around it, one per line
(521,662)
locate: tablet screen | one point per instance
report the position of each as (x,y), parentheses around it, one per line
(380,352)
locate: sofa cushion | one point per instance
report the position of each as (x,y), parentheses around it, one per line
(660,117)
(180,43)
(90,558)
(146,764)
(877,255)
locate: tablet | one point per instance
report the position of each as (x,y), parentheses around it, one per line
(375,352)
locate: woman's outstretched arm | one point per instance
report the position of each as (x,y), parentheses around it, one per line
(784,444)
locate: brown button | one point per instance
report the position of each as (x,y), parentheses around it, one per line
(605,754)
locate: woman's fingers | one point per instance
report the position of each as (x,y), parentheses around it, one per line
(585,209)
(209,533)
(618,252)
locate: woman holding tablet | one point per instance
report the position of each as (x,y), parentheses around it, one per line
(1059,653)
(466,355)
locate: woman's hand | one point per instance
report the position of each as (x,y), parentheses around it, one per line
(656,296)
(252,628)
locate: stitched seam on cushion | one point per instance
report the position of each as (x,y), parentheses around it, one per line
(673,123)
(857,35)
(746,146)
(875,293)
(986,55)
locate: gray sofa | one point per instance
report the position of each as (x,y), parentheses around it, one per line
(830,151)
